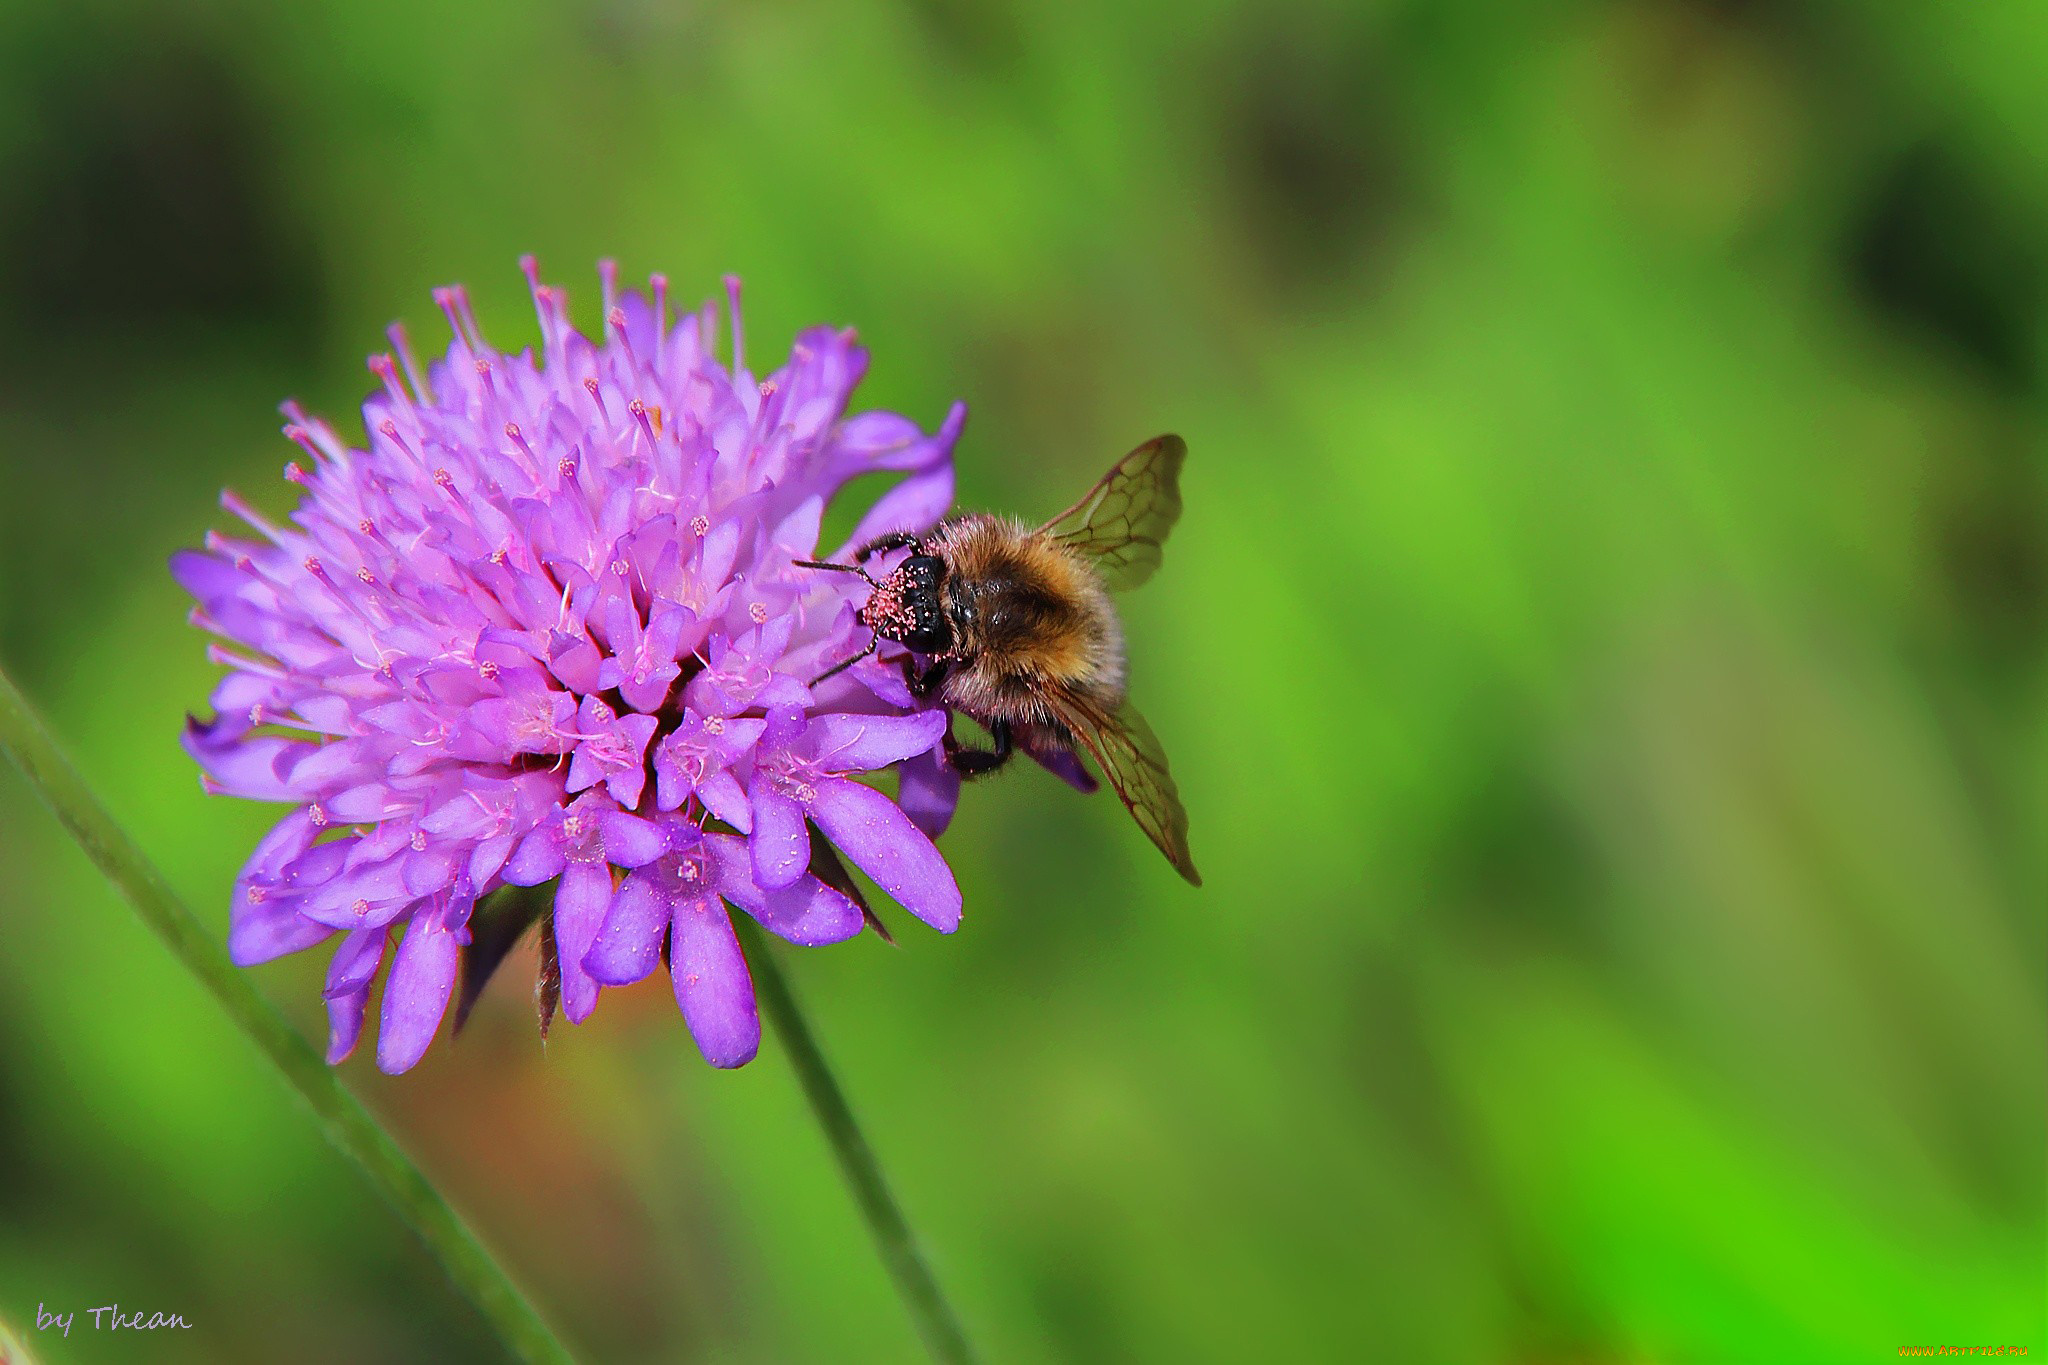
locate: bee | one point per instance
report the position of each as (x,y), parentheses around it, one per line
(1018,632)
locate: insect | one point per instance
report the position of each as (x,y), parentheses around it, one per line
(1017,631)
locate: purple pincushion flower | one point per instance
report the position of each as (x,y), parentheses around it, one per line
(544,627)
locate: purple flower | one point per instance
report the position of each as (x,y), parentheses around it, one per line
(613,751)
(543,627)
(800,769)
(576,848)
(682,895)
(696,760)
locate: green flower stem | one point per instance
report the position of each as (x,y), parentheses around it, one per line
(347,1124)
(920,1292)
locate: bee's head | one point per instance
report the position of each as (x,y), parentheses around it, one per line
(907,606)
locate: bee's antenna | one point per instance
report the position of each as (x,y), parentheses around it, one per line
(874,642)
(837,568)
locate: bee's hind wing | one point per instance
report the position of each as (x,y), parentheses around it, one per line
(1123,520)
(1130,756)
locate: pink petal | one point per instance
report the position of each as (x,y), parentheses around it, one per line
(349,975)
(723,796)
(538,859)
(713,987)
(264,930)
(782,846)
(859,744)
(582,899)
(628,946)
(928,791)
(882,842)
(630,841)
(416,995)
(809,913)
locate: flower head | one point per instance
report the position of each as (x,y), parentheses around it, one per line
(544,627)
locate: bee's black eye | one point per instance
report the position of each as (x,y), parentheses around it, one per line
(930,633)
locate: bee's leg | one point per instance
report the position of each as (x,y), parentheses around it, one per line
(975,762)
(893,540)
(923,684)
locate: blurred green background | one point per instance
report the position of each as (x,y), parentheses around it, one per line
(1603,657)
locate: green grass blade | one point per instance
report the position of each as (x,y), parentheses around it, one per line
(929,1311)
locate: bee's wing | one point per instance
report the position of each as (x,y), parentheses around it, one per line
(1123,520)
(1129,755)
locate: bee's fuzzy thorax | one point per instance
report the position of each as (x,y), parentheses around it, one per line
(1026,612)
(1012,626)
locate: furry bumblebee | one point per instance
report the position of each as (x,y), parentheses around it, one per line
(1016,629)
